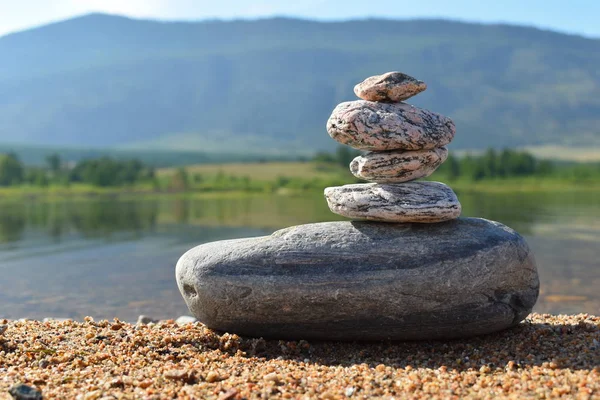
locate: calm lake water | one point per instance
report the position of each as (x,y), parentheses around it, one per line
(115,257)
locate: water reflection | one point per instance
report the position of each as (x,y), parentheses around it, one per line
(255,211)
(12,224)
(513,210)
(89,218)
(115,257)
(101,218)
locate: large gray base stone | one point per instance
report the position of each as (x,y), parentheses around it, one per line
(363,281)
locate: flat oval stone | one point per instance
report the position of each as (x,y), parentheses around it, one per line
(363,281)
(389,87)
(423,202)
(397,165)
(366,125)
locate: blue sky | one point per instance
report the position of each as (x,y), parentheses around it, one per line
(573,16)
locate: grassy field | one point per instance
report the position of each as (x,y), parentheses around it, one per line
(74,190)
(564,153)
(268,171)
(549,152)
(236,179)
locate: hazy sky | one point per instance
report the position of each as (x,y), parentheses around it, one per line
(574,16)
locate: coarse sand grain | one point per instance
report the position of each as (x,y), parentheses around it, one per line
(545,356)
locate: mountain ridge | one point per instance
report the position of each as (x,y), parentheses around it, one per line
(101,80)
(111,16)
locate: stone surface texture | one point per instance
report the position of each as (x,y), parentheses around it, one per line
(389,87)
(363,281)
(424,202)
(397,166)
(366,125)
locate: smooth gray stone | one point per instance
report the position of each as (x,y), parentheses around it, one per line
(367,125)
(24,392)
(363,281)
(145,320)
(424,202)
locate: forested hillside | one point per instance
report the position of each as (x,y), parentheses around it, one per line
(268,86)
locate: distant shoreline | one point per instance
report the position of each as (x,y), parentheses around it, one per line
(88,192)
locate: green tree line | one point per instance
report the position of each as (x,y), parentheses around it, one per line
(109,172)
(491,164)
(101,172)
(508,163)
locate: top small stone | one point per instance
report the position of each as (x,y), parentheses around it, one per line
(391,87)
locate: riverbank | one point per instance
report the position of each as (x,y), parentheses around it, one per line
(269,188)
(544,357)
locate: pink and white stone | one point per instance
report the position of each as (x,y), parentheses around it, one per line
(389,87)
(397,166)
(367,125)
(424,202)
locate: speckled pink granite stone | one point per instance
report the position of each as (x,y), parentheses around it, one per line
(389,87)
(397,166)
(424,202)
(367,125)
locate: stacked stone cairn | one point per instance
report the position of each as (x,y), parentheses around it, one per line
(405,268)
(405,143)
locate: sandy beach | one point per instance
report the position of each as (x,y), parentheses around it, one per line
(544,357)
